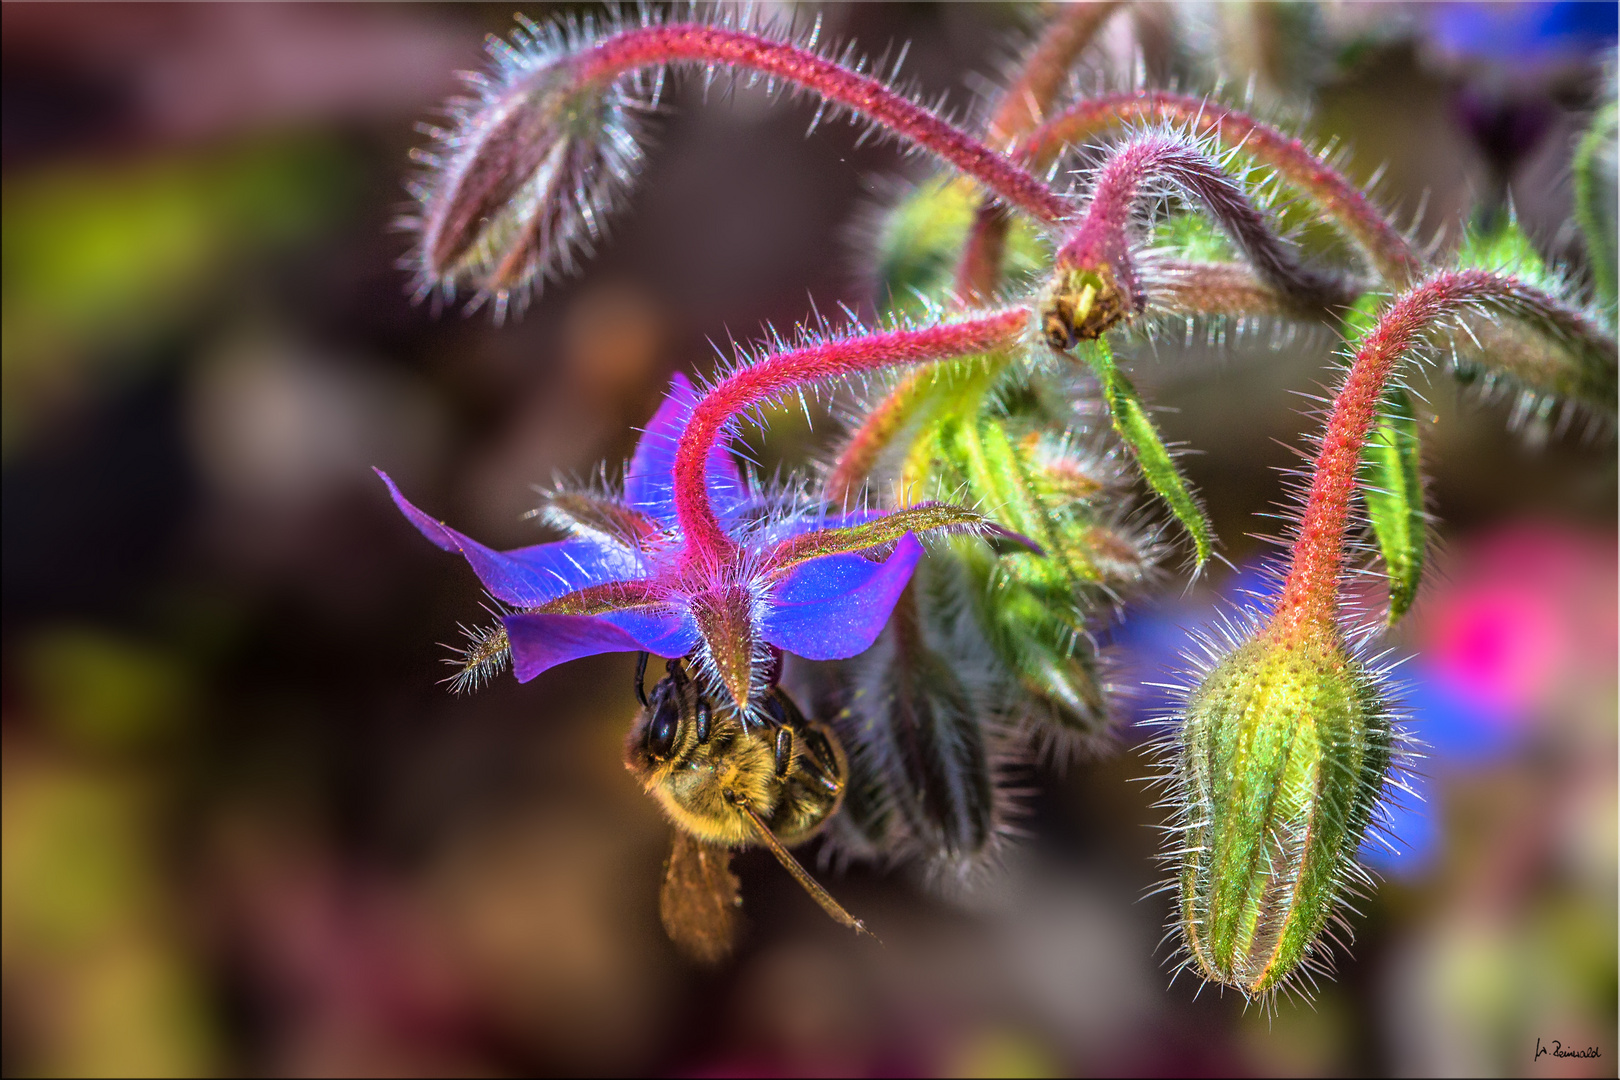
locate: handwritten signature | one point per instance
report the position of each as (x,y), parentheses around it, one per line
(1557,1050)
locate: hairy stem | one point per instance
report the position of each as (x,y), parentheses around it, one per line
(1309,599)
(1329,191)
(765,380)
(650,46)
(1045,70)
(978,274)
(1096,282)
(1022,106)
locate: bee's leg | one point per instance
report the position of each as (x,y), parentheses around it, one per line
(818,761)
(704,714)
(784,750)
(775,715)
(641,675)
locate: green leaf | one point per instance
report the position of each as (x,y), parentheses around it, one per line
(1136,429)
(1392,487)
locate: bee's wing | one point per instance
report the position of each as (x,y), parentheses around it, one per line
(699,901)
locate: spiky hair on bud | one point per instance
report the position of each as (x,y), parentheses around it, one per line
(1280,759)
(521,182)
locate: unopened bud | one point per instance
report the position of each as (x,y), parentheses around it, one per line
(525,181)
(1280,765)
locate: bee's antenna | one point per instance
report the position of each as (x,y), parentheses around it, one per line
(800,874)
(641,677)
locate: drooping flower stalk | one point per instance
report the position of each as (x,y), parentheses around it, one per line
(767,379)
(1309,596)
(652,46)
(1022,106)
(1285,745)
(524,181)
(1334,196)
(1096,282)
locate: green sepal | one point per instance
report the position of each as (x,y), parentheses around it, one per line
(588,512)
(872,534)
(1035,625)
(922,730)
(1142,439)
(1594,168)
(1392,487)
(1503,247)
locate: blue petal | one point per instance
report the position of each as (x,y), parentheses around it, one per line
(649,478)
(529,576)
(540,642)
(835,606)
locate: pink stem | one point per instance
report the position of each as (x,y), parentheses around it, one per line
(649,46)
(1337,198)
(1022,106)
(1103,237)
(1309,599)
(761,382)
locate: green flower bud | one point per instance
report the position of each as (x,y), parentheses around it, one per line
(1280,764)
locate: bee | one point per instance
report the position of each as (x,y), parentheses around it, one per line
(724,784)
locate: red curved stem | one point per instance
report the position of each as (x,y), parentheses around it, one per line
(1309,599)
(1336,196)
(649,46)
(1103,236)
(762,382)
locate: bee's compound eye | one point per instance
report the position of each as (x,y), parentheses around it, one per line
(666,723)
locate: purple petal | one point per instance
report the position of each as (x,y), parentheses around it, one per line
(649,478)
(528,576)
(834,607)
(540,642)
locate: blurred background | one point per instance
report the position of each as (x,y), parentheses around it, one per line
(246,830)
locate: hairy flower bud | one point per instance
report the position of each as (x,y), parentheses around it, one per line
(527,177)
(1280,763)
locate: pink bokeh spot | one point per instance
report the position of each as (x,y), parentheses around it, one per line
(1521,611)
(1498,646)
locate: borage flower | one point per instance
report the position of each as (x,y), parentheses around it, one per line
(800,579)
